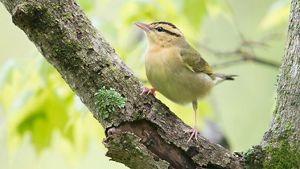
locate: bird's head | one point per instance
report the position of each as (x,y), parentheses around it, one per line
(163,34)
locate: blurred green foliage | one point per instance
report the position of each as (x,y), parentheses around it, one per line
(39,100)
(40,114)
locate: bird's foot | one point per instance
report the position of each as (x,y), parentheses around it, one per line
(194,133)
(148,91)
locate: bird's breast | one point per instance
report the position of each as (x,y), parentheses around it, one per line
(168,75)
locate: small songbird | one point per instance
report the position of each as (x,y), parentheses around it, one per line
(175,69)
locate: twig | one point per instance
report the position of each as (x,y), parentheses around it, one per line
(246,49)
(235,21)
(228,63)
(265,62)
(220,53)
(243,56)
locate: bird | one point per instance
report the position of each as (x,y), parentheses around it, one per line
(175,69)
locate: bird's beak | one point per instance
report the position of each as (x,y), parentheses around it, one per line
(143,26)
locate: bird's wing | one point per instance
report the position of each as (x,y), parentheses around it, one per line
(193,60)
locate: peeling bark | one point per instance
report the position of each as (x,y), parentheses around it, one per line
(145,133)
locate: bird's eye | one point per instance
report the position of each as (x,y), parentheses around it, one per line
(159,29)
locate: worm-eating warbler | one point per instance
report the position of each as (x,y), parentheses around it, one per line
(175,69)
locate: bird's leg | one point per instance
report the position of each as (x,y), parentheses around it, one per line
(148,91)
(194,130)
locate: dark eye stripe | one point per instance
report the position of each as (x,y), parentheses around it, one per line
(170,33)
(160,29)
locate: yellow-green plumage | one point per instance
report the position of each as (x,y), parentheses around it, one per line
(175,69)
(172,77)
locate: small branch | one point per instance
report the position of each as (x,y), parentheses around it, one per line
(242,54)
(220,53)
(228,63)
(243,50)
(265,62)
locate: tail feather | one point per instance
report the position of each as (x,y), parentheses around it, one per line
(229,77)
(218,78)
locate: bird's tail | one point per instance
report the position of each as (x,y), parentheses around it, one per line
(218,77)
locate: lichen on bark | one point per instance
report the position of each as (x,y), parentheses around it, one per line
(108,101)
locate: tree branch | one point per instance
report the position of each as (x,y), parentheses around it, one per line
(144,127)
(145,133)
(280,147)
(283,138)
(244,53)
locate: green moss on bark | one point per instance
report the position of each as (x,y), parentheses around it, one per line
(32,16)
(281,153)
(67,48)
(253,157)
(282,156)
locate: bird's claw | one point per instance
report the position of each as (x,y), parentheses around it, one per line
(194,133)
(148,91)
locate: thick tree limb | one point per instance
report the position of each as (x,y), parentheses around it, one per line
(145,134)
(280,147)
(283,138)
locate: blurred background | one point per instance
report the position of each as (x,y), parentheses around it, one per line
(44,125)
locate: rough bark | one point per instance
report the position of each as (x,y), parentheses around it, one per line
(282,141)
(144,133)
(280,147)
